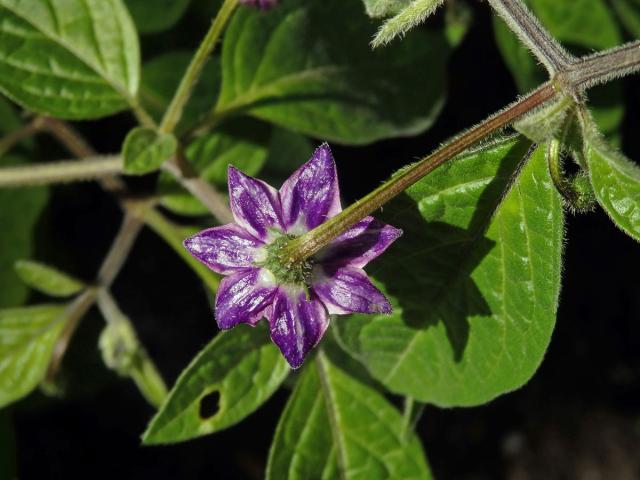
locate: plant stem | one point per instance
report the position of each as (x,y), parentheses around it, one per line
(411,413)
(174,113)
(61,172)
(533,35)
(310,243)
(605,66)
(31,128)
(174,237)
(203,191)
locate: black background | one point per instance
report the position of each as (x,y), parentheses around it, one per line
(578,418)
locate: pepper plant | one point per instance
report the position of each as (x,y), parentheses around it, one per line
(463,248)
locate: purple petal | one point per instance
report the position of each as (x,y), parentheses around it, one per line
(348,290)
(225,249)
(254,204)
(243,297)
(360,244)
(311,194)
(297,323)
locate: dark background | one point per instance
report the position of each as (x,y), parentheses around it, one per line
(579,418)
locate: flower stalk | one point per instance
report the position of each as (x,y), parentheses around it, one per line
(313,241)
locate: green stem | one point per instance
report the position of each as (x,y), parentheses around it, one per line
(174,236)
(310,243)
(190,78)
(411,414)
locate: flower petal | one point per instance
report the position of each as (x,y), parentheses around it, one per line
(254,204)
(243,297)
(311,194)
(297,323)
(225,249)
(348,290)
(360,244)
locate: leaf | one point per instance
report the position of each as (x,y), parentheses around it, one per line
(581,25)
(546,121)
(160,79)
(384,8)
(242,143)
(336,427)
(158,15)
(307,66)
(145,150)
(616,183)
(19,213)
(629,14)
(474,282)
(409,17)
(47,279)
(73,59)
(27,338)
(233,376)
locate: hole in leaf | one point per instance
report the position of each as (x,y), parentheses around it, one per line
(209,405)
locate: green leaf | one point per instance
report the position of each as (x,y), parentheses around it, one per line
(384,8)
(336,427)
(242,143)
(581,25)
(157,15)
(47,279)
(145,150)
(19,213)
(545,122)
(629,14)
(409,17)
(474,282)
(616,183)
(73,59)
(325,82)
(233,376)
(160,79)
(27,338)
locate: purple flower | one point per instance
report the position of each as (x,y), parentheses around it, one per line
(297,300)
(262,4)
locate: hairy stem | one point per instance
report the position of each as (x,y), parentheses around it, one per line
(190,78)
(533,35)
(61,172)
(605,66)
(31,128)
(310,243)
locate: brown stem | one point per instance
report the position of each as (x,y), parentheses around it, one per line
(310,243)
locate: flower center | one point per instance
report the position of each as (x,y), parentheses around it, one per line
(285,271)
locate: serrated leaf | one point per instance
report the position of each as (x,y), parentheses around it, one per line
(581,25)
(331,86)
(157,15)
(19,213)
(233,376)
(73,59)
(242,143)
(336,427)
(145,150)
(616,183)
(47,279)
(474,282)
(27,338)
(160,79)
(409,17)
(629,14)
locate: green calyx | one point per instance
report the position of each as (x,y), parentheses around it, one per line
(285,271)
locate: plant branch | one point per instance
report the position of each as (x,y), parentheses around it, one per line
(31,128)
(310,243)
(533,35)
(602,67)
(61,172)
(203,191)
(174,112)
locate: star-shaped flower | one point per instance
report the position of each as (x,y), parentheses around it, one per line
(297,300)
